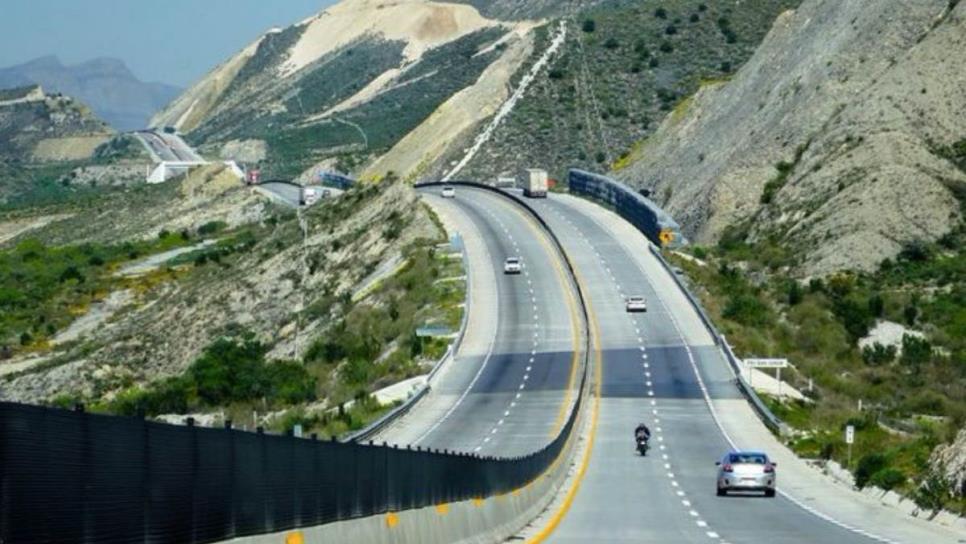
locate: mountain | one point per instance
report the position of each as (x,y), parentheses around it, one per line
(839,138)
(106,84)
(38,127)
(351,82)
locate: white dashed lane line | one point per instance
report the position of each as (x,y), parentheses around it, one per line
(658,431)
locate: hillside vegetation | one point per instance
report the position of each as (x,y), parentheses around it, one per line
(260,317)
(912,389)
(623,69)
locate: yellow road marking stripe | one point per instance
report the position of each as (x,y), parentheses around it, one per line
(558,516)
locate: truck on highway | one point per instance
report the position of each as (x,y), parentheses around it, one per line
(310,195)
(535,184)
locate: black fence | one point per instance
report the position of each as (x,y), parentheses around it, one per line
(68,476)
(637,209)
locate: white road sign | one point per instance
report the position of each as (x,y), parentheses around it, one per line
(766,363)
(849,434)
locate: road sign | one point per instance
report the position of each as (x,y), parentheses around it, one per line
(849,439)
(666,236)
(766,363)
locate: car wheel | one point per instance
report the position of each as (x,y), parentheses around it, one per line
(769,493)
(722,492)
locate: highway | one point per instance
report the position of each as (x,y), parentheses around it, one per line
(662,368)
(510,386)
(167,147)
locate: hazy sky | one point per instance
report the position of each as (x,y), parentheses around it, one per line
(173,41)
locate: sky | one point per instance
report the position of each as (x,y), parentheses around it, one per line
(171,41)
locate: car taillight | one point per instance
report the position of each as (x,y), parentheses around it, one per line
(727,468)
(769,469)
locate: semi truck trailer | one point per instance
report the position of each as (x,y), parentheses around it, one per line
(535,185)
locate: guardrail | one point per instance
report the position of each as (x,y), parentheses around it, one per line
(634,207)
(770,420)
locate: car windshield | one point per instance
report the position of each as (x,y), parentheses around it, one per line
(637,299)
(512,260)
(747,459)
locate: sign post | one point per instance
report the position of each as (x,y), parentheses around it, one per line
(777,364)
(849,439)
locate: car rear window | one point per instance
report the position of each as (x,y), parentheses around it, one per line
(748,459)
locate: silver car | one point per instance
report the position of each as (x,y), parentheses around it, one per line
(746,471)
(512,265)
(636,304)
(449,192)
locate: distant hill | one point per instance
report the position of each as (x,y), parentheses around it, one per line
(105,84)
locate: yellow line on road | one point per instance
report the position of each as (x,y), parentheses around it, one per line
(558,516)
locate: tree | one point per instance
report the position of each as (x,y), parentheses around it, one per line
(589,25)
(612,43)
(915,350)
(666,47)
(660,13)
(877,354)
(671,30)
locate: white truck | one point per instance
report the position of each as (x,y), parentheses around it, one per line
(310,195)
(535,185)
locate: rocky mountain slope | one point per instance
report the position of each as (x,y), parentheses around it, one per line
(348,83)
(35,126)
(105,84)
(835,138)
(623,68)
(262,270)
(53,148)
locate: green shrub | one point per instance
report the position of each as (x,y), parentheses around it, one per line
(589,25)
(887,479)
(612,43)
(211,227)
(877,354)
(915,351)
(869,464)
(660,13)
(228,371)
(746,309)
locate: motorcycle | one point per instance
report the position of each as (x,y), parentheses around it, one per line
(642,445)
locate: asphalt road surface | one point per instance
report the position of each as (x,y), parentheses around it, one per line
(511,385)
(661,368)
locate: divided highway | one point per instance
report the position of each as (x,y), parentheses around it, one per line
(511,385)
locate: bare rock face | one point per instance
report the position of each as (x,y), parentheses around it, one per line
(844,110)
(950,461)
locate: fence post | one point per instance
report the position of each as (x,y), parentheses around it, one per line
(145,477)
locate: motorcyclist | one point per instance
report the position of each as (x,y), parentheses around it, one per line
(642,432)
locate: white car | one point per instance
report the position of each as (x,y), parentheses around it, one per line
(512,265)
(449,192)
(636,304)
